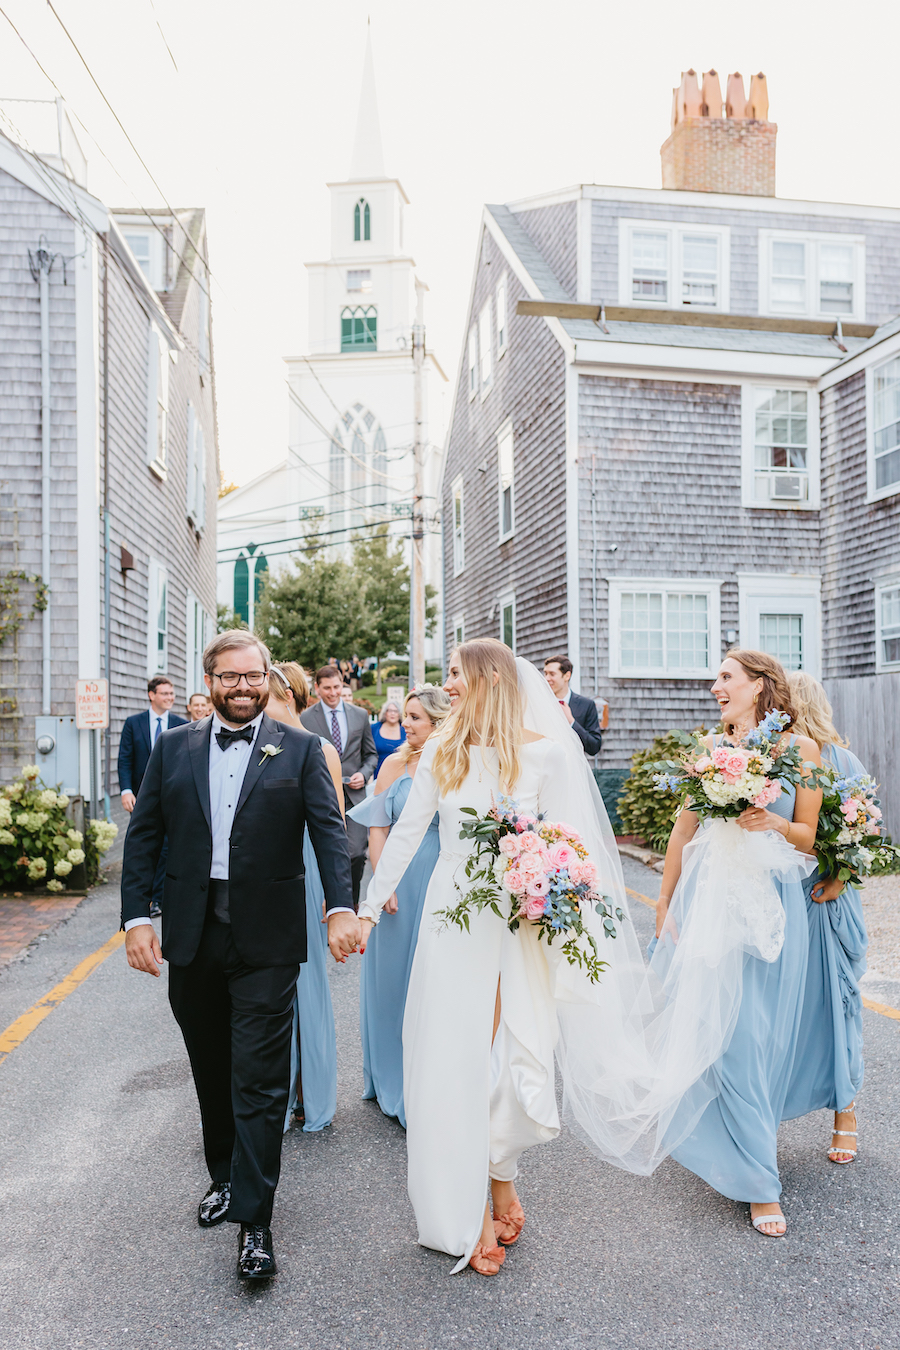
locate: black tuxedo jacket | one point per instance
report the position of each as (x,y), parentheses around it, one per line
(587,722)
(281,795)
(134,749)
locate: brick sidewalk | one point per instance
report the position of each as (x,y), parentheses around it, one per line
(22,921)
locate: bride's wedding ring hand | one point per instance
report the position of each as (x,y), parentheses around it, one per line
(143,950)
(343,935)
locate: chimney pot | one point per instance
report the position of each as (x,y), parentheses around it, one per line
(687,98)
(735,100)
(759,98)
(709,152)
(712,95)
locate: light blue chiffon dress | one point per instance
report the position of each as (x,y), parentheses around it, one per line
(388,960)
(733,1145)
(313,1042)
(828,1071)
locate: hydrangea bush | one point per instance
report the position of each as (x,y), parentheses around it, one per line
(38,846)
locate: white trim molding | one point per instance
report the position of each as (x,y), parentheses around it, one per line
(808,484)
(770,593)
(506,481)
(573,567)
(873,492)
(458,529)
(887,588)
(667,669)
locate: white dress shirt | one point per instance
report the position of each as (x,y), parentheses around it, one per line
(163,718)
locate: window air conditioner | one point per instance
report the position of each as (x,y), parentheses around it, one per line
(787,487)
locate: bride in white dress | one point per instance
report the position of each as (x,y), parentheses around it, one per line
(487,1008)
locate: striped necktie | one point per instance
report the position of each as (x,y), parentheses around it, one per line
(335,731)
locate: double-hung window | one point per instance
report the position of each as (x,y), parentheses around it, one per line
(507,606)
(670,265)
(883,426)
(502,316)
(780,614)
(780,447)
(812,276)
(506,483)
(473,363)
(459,550)
(157,619)
(484,348)
(662,629)
(459,630)
(359,279)
(157,400)
(887,625)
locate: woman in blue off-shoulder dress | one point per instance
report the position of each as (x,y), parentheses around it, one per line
(733,1142)
(313,1096)
(828,1073)
(385,970)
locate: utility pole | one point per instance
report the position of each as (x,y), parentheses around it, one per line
(417,572)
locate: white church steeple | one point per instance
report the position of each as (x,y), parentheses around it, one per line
(367,160)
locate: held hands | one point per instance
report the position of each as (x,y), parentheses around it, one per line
(142,949)
(366,926)
(758,818)
(344,936)
(829,889)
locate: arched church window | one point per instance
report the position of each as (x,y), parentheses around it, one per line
(362,221)
(242,589)
(359,328)
(260,575)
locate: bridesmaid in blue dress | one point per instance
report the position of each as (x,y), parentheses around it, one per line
(829,1072)
(313,1098)
(733,1146)
(388,960)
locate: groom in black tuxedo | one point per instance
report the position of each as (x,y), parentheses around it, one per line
(233,793)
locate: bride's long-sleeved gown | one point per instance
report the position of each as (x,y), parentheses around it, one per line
(471,1108)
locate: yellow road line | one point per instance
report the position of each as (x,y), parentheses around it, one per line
(884,1008)
(23,1026)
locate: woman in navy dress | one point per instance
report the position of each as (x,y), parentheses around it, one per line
(313,1098)
(733,1144)
(388,959)
(828,1072)
(388,733)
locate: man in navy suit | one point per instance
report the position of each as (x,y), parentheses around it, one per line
(139,735)
(580,712)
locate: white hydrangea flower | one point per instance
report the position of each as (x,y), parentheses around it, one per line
(75,855)
(62,800)
(48,797)
(76,836)
(37,868)
(62,868)
(54,885)
(7,837)
(30,771)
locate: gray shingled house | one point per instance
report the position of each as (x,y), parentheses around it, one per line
(677,426)
(108,454)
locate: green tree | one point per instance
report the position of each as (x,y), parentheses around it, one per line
(226,619)
(313,609)
(383,575)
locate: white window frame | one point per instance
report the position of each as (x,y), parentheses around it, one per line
(196,470)
(157,581)
(812,240)
(873,493)
(155,270)
(157,401)
(748,447)
(675,232)
(504,602)
(485,350)
(194,620)
(506,478)
(666,586)
(459,629)
(502,317)
(457,493)
(882,584)
(473,362)
(767,593)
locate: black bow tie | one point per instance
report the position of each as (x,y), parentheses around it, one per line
(228,737)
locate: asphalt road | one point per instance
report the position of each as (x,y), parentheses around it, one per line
(101,1170)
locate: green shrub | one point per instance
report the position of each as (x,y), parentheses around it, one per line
(642,810)
(368,679)
(38,845)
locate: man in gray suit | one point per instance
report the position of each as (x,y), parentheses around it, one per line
(347,727)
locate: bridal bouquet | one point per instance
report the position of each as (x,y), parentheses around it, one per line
(719,784)
(849,842)
(540,873)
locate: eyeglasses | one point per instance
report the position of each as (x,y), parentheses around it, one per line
(230,680)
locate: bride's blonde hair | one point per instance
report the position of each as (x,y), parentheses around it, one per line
(488,713)
(812,711)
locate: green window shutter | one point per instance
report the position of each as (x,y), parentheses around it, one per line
(242,590)
(367,221)
(356,230)
(346,331)
(370,329)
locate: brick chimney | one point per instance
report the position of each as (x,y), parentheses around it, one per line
(711,152)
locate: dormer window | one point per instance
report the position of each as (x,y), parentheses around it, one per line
(362,221)
(359,279)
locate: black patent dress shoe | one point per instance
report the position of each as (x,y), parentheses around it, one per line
(256,1260)
(214,1205)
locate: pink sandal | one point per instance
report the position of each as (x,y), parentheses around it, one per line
(514,1219)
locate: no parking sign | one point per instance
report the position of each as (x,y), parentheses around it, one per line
(91,705)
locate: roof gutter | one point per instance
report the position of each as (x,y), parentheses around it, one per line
(691,318)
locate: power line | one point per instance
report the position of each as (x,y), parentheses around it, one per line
(324,534)
(163,36)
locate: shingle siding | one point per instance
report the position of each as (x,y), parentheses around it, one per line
(882,249)
(553,229)
(661,460)
(533,562)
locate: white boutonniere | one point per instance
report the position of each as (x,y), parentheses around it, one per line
(269,752)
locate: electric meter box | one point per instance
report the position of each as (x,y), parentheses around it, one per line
(56,753)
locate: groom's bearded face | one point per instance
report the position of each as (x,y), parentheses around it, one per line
(241,704)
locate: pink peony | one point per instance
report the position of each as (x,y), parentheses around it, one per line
(770,793)
(539,886)
(563,856)
(534,906)
(702,764)
(514,881)
(720,756)
(736,764)
(530,842)
(874,811)
(532,863)
(583,872)
(509,845)
(850,808)
(568,831)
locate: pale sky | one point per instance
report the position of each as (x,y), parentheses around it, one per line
(480,101)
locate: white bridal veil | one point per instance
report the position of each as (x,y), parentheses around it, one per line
(638,1051)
